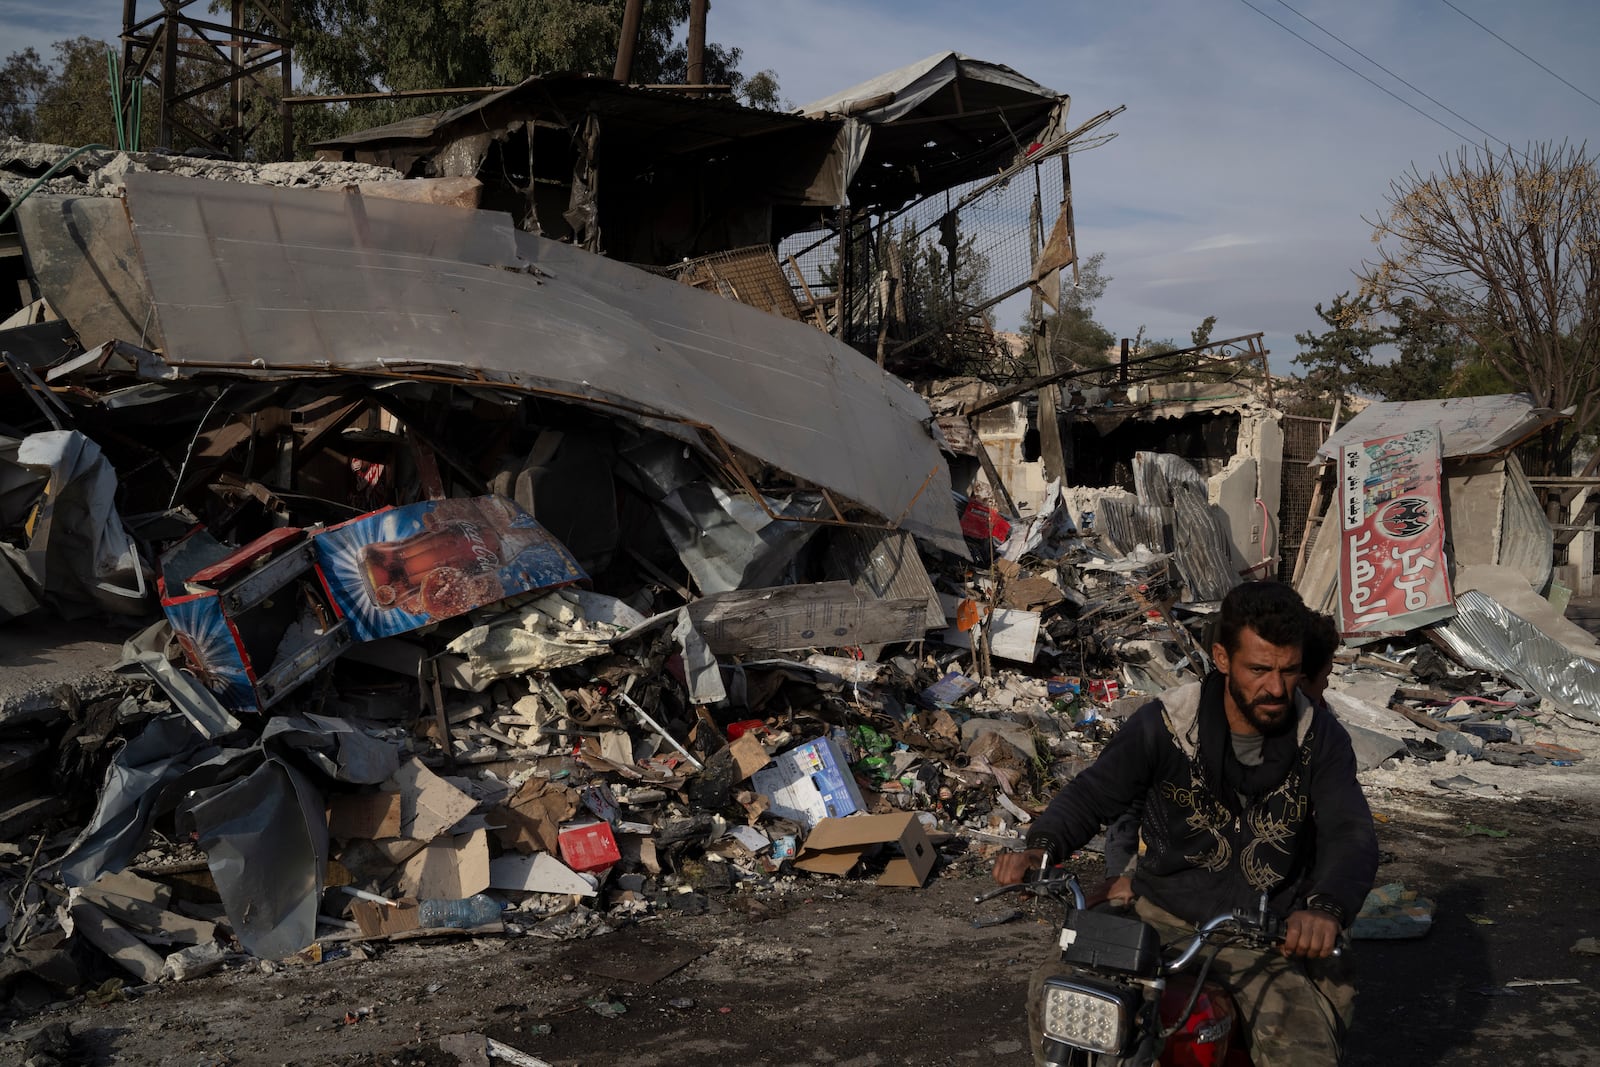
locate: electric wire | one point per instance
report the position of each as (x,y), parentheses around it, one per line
(1396,77)
(1519,52)
(1289,30)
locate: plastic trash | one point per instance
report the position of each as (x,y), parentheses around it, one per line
(476,910)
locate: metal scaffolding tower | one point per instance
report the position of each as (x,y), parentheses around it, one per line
(191,61)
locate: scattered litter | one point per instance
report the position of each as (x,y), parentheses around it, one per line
(601,602)
(1392,912)
(1522,983)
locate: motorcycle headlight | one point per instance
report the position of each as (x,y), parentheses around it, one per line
(1087,1016)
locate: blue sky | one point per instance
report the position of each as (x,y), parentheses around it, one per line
(1246,160)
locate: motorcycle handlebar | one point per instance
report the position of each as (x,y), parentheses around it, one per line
(1263,926)
(1056,886)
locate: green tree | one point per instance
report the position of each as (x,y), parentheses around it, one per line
(362,46)
(1505,249)
(23,80)
(1337,360)
(1411,353)
(1074,335)
(67,102)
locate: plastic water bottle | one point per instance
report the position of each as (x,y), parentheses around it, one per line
(476,910)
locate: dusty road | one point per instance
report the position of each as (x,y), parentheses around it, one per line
(844,973)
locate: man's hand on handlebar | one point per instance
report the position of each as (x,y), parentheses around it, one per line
(1012,867)
(1310,935)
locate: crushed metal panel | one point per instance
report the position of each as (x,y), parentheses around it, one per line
(793,617)
(1468,425)
(1508,588)
(1127,523)
(81,252)
(1527,543)
(884,563)
(1487,637)
(897,93)
(286,281)
(1199,532)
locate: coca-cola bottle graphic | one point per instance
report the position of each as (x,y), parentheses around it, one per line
(449,567)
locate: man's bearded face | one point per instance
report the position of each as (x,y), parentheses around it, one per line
(1261,681)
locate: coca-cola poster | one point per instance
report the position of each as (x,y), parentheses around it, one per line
(1393,575)
(211,648)
(401,568)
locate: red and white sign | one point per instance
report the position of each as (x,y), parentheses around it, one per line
(1393,575)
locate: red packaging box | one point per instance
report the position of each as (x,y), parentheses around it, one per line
(979,521)
(589,847)
(1105,690)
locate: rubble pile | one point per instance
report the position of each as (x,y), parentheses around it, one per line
(433,626)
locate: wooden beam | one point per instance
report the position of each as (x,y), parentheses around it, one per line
(397,94)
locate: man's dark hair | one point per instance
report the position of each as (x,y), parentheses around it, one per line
(1322,638)
(1272,609)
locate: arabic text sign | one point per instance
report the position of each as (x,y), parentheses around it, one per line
(1392,567)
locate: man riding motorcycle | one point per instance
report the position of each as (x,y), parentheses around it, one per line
(1245,787)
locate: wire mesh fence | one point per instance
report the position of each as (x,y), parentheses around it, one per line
(920,289)
(1302,437)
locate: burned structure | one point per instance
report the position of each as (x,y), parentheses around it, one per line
(452,577)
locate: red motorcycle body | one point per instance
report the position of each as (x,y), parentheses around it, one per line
(1207,1037)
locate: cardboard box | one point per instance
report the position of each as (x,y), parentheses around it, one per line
(809,783)
(837,845)
(450,868)
(380,920)
(367,815)
(589,847)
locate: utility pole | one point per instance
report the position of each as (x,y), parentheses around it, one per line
(628,40)
(698,9)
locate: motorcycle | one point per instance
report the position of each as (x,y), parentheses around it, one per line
(1122,998)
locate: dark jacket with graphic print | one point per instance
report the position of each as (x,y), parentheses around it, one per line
(1216,834)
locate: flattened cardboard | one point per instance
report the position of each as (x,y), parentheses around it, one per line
(380,920)
(531,820)
(538,873)
(835,846)
(364,815)
(452,868)
(128,884)
(153,924)
(748,755)
(429,805)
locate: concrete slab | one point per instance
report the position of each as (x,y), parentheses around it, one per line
(40,655)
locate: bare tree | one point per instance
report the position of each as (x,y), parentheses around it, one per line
(1505,248)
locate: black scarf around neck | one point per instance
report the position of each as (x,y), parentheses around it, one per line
(1222,767)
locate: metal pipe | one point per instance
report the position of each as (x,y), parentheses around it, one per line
(662,730)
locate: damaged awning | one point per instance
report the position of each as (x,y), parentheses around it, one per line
(937,123)
(283,283)
(1468,425)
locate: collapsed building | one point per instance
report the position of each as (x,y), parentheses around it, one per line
(487,528)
